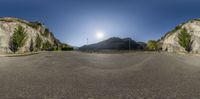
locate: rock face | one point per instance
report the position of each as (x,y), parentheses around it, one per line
(114,43)
(33,29)
(169,42)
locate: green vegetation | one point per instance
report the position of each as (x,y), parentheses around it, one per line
(57,47)
(31,48)
(66,48)
(197,19)
(62,47)
(31,24)
(176,28)
(46,32)
(185,40)
(152,45)
(47,46)
(34,25)
(18,39)
(38,42)
(6,20)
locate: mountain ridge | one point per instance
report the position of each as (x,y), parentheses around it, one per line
(114,43)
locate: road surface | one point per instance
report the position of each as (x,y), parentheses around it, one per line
(76,75)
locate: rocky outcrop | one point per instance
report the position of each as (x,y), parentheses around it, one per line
(33,29)
(169,42)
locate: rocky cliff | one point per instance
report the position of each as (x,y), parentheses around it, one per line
(169,42)
(33,29)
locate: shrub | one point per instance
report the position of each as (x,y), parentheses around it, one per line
(47,46)
(46,32)
(65,47)
(34,25)
(176,28)
(152,45)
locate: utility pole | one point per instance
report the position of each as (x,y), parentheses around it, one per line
(129,44)
(87,41)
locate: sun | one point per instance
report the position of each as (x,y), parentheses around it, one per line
(99,35)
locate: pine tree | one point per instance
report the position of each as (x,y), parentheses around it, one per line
(31,48)
(38,41)
(18,39)
(185,40)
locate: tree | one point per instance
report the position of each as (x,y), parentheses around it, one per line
(38,41)
(13,46)
(31,48)
(47,45)
(152,45)
(185,40)
(66,47)
(18,39)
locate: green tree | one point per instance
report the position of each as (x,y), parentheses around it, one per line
(152,45)
(31,48)
(18,38)
(38,41)
(185,40)
(47,45)
(66,47)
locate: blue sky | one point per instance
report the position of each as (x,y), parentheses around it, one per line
(72,21)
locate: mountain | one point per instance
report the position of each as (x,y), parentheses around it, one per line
(33,30)
(169,42)
(115,43)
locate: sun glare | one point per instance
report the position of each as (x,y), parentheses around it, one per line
(99,35)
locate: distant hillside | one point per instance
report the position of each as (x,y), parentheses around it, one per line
(115,43)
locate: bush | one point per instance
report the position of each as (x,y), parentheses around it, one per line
(185,40)
(34,25)
(67,48)
(63,47)
(46,32)
(47,46)
(152,45)
(178,27)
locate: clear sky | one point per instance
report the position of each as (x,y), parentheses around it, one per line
(72,21)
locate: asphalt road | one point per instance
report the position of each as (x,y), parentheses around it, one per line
(76,75)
